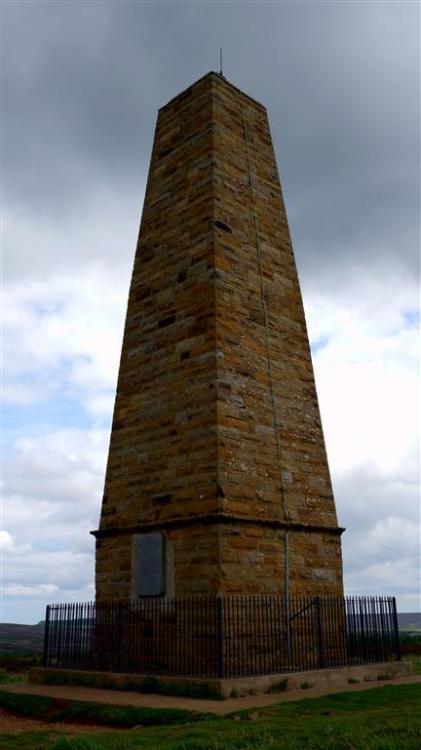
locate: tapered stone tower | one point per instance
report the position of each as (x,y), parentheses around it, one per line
(217,478)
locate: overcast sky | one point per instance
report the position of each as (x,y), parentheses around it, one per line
(82,85)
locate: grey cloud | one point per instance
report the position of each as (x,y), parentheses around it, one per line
(367,496)
(341,83)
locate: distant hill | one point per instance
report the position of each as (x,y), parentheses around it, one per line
(28,639)
(410,622)
(21,639)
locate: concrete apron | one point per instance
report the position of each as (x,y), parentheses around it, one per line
(325,680)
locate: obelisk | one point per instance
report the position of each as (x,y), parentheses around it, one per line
(217,478)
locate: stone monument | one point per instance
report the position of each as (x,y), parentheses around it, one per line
(217,479)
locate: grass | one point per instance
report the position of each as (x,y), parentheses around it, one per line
(410,645)
(385,718)
(15,668)
(19,662)
(278,687)
(12,676)
(57,710)
(306,685)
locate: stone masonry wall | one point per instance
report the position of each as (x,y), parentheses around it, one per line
(248,201)
(163,449)
(216,410)
(252,559)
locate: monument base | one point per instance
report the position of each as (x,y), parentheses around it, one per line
(334,679)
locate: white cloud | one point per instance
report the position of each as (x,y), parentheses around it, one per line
(367,373)
(8,544)
(63,338)
(51,503)
(385,556)
(30,591)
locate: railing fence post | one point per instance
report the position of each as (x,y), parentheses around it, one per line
(45,659)
(119,636)
(287,631)
(396,629)
(363,649)
(219,638)
(319,633)
(370,625)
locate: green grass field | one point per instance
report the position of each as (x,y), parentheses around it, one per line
(386,718)
(380,719)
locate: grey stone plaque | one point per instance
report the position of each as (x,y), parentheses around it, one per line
(149,564)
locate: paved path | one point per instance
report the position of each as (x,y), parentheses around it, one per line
(128,698)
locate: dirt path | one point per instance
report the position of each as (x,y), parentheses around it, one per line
(10,724)
(127,698)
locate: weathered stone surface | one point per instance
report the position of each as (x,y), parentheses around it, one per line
(216,411)
(326,680)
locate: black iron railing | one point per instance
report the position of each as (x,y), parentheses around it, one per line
(230,636)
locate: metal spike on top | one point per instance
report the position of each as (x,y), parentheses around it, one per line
(221,72)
